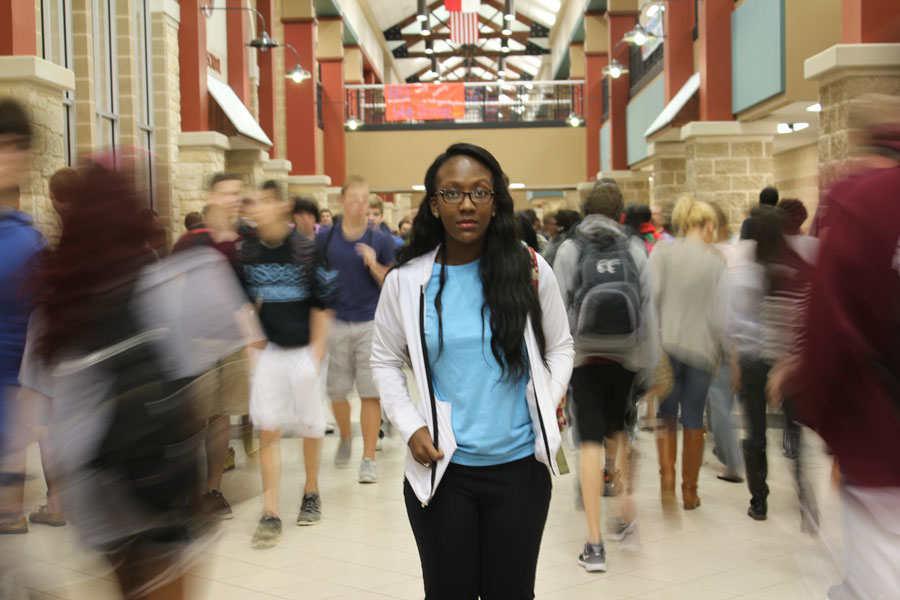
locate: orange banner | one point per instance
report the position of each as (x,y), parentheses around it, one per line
(425,102)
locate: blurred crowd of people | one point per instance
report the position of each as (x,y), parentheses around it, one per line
(126,359)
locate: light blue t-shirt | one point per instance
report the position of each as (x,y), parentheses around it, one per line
(490,419)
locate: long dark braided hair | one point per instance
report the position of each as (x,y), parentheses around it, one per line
(505,266)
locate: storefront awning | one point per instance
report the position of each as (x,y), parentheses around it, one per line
(235,110)
(675,105)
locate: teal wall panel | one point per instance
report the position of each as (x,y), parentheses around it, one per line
(604,148)
(757,52)
(640,114)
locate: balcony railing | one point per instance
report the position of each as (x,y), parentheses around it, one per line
(487,104)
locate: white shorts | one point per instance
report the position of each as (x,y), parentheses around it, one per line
(287,393)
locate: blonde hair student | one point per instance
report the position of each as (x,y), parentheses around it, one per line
(693,217)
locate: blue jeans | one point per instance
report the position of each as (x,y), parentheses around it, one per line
(721,401)
(689,389)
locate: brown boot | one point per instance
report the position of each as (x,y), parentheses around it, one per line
(667,446)
(691,458)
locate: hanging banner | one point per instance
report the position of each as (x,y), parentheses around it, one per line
(425,102)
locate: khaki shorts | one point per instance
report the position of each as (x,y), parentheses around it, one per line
(225,389)
(349,349)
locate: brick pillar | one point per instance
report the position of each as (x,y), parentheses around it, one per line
(619,24)
(127,77)
(200,154)
(300,98)
(679,52)
(330,53)
(166,109)
(870,21)
(192,63)
(238,29)
(714,47)
(83,61)
(728,163)
(596,56)
(844,73)
(18,28)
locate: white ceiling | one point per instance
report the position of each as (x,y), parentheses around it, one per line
(390,12)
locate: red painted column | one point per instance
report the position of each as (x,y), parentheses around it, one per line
(870,21)
(238,31)
(619,25)
(679,51)
(300,98)
(333,119)
(593,107)
(192,65)
(715,60)
(266,91)
(18,28)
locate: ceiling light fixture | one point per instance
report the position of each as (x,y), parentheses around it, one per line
(791,127)
(418,187)
(297,74)
(817,107)
(506,30)
(638,36)
(615,69)
(422,12)
(263,41)
(573,120)
(509,10)
(504,46)
(353,123)
(516,186)
(425,24)
(429,47)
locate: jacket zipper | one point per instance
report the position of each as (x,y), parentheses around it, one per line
(434,420)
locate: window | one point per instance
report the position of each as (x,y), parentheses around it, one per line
(105,88)
(146,166)
(56,41)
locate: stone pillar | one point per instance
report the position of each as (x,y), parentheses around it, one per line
(192,62)
(714,48)
(596,56)
(39,85)
(83,61)
(619,24)
(298,17)
(728,163)
(315,186)
(246,159)
(669,172)
(635,186)
(164,20)
(330,54)
(844,73)
(127,76)
(277,169)
(200,154)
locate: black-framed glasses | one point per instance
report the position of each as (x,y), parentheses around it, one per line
(479,196)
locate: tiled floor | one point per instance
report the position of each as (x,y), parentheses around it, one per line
(364,548)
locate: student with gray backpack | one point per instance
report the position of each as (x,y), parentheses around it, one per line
(604,278)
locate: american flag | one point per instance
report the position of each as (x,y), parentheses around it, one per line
(463,28)
(462,5)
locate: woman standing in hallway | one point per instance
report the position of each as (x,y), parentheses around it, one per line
(464,296)
(688,281)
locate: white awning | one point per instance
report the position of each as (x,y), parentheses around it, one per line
(691,87)
(235,110)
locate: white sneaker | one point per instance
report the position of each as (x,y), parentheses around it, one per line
(368,471)
(344,451)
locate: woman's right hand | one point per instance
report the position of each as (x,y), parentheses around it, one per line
(423,450)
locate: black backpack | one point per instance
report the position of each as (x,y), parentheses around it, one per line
(605,309)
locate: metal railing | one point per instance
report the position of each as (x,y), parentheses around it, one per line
(487,104)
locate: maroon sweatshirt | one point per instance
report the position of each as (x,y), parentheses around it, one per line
(852,332)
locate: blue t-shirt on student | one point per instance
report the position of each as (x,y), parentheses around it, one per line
(358,292)
(490,417)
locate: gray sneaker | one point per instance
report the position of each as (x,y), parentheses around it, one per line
(310,510)
(268,532)
(368,471)
(593,559)
(345,449)
(619,529)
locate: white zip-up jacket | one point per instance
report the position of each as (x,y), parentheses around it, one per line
(398,339)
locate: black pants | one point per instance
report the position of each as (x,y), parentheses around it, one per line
(754,375)
(481,533)
(602,394)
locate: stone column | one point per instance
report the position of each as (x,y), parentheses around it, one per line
(83,61)
(669,172)
(277,169)
(728,162)
(246,159)
(635,186)
(200,154)
(39,85)
(845,72)
(164,19)
(315,186)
